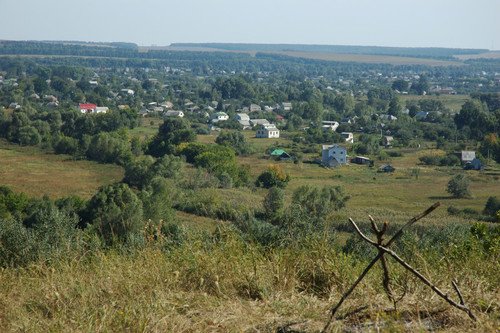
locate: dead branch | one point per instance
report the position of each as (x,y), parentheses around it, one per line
(374,261)
(444,296)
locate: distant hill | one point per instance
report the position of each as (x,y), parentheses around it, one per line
(425,52)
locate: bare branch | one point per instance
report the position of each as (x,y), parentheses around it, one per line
(428,283)
(374,261)
(455,286)
(361,233)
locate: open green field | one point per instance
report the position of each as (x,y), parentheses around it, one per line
(452,102)
(372,191)
(37,173)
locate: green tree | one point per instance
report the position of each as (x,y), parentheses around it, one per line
(29,136)
(274,176)
(274,203)
(171,133)
(116,214)
(458,186)
(235,140)
(319,202)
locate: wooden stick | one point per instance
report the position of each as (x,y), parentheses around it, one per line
(374,261)
(444,296)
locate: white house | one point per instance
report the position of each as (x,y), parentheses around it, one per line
(286,106)
(101,109)
(243,119)
(348,137)
(128,91)
(219,116)
(267,131)
(171,113)
(333,155)
(329,125)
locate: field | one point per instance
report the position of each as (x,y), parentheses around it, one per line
(452,102)
(368,59)
(215,281)
(37,173)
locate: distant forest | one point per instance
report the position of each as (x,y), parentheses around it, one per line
(427,52)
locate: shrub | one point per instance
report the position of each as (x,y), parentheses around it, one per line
(273,176)
(458,186)
(492,206)
(115,212)
(274,202)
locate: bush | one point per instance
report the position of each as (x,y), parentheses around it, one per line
(273,176)
(115,212)
(274,202)
(66,145)
(458,186)
(492,206)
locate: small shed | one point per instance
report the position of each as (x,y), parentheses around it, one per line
(360,160)
(387,141)
(280,154)
(386,168)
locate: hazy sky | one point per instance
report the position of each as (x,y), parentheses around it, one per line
(447,23)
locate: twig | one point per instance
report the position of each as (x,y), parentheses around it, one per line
(455,286)
(444,296)
(374,261)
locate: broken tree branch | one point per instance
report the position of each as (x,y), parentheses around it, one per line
(444,296)
(374,261)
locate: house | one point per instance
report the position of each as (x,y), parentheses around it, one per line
(361,160)
(93,83)
(421,115)
(243,119)
(178,114)
(267,131)
(286,106)
(475,164)
(101,109)
(254,108)
(219,116)
(348,137)
(143,112)
(386,168)
(50,98)
(14,106)
(467,156)
(387,140)
(388,117)
(34,96)
(329,125)
(167,105)
(52,104)
(333,155)
(128,92)
(87,107)
(280,154)
(256,122)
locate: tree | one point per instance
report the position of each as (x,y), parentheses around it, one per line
(116,213)
(274,202)
(29,136)
(273,176)
(235,140)
(492,206)
(458,186)
(400,85)
(171,133)
(319,202)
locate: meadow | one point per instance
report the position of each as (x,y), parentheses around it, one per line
(38,173)
(215,280)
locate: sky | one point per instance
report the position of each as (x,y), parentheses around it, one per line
(403,23)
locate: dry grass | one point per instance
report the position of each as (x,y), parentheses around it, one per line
(230,286)
(29,170)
